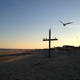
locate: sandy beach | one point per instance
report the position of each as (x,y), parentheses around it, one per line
(37,66)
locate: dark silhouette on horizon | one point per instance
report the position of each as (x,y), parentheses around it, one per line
(64,24)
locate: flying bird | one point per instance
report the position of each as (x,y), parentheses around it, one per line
(64,24)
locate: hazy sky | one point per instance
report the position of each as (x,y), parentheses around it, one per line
(24,23)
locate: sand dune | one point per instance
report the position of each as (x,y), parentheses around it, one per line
(37,66)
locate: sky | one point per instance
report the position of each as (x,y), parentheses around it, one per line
(24,23)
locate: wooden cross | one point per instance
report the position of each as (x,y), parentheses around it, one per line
(45,39)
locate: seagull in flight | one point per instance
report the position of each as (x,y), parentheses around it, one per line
(64,24)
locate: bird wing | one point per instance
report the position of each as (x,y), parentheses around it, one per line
(69,22)
(61,22)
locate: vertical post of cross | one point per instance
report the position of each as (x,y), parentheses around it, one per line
(49,41)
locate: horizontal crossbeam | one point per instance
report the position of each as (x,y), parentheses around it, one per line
(50,39)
